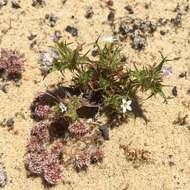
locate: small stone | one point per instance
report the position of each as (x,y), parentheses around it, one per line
(129,9)
(56,36)
(64,1)
(8,123)
(183,75)
(38,3)
(162,32)
(3,3)
(51,19)
(174,91)
(72,30)
(33,44)
(138,41)
(147,5)
(162,21)
(110,3)
(111,16)
(177,20)
(15,4)
(3,176)
(3,88)
(105,132)
(32,36)
(171,164)
(89,12)
(94,52)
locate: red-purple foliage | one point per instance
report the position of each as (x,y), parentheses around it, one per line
(11,63)
(52,171)
(38,160)
(40,132)
(78,128)
(82,161)
(56,149)
(97,156)
(35,161)
(41,112)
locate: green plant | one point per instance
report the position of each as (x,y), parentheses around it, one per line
(106,76)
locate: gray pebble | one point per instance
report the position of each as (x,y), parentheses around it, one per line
(104,131)
(3,176)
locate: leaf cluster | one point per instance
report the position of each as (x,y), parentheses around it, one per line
(105,77)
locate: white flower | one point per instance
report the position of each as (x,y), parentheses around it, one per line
(48,57)
(167,71)
(108,39)
(62,107)
(126,105)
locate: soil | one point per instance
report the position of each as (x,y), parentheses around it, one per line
(167,142)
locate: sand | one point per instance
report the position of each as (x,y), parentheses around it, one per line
(166,142)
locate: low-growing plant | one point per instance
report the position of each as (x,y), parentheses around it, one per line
(107,77)
(11,64)
(103,91)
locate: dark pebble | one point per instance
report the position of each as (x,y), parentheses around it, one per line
(57,36)
(162,32)
(174,91)
(3,3)
(111,16)
(32,36)
(110,3)
(15,4)
(38,3)
(129,9)
(171,164)
(105,132)
(183,75)
(10,122)
(177,20)
(89,13)
(3,87)
(72,30)
(51,19)
(3,177)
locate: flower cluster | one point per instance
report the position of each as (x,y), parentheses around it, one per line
(38,160)
(39,107)
(84,159)
(41,112)
(11,64)
(46,60)
(78,128)
(40,132)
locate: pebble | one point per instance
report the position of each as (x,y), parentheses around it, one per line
(56,36)
(89,12)
(138,42)
(110,3)
(111,16)
(183,75)
(3,176)
(3,3)
(32,36)
(105,132)
(15,4)
(51,19)
(177,20)
(72,30)
(3,88)
(129,9)
(38,3)
(8,123)
(174,91)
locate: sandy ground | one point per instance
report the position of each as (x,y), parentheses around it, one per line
(166,142)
